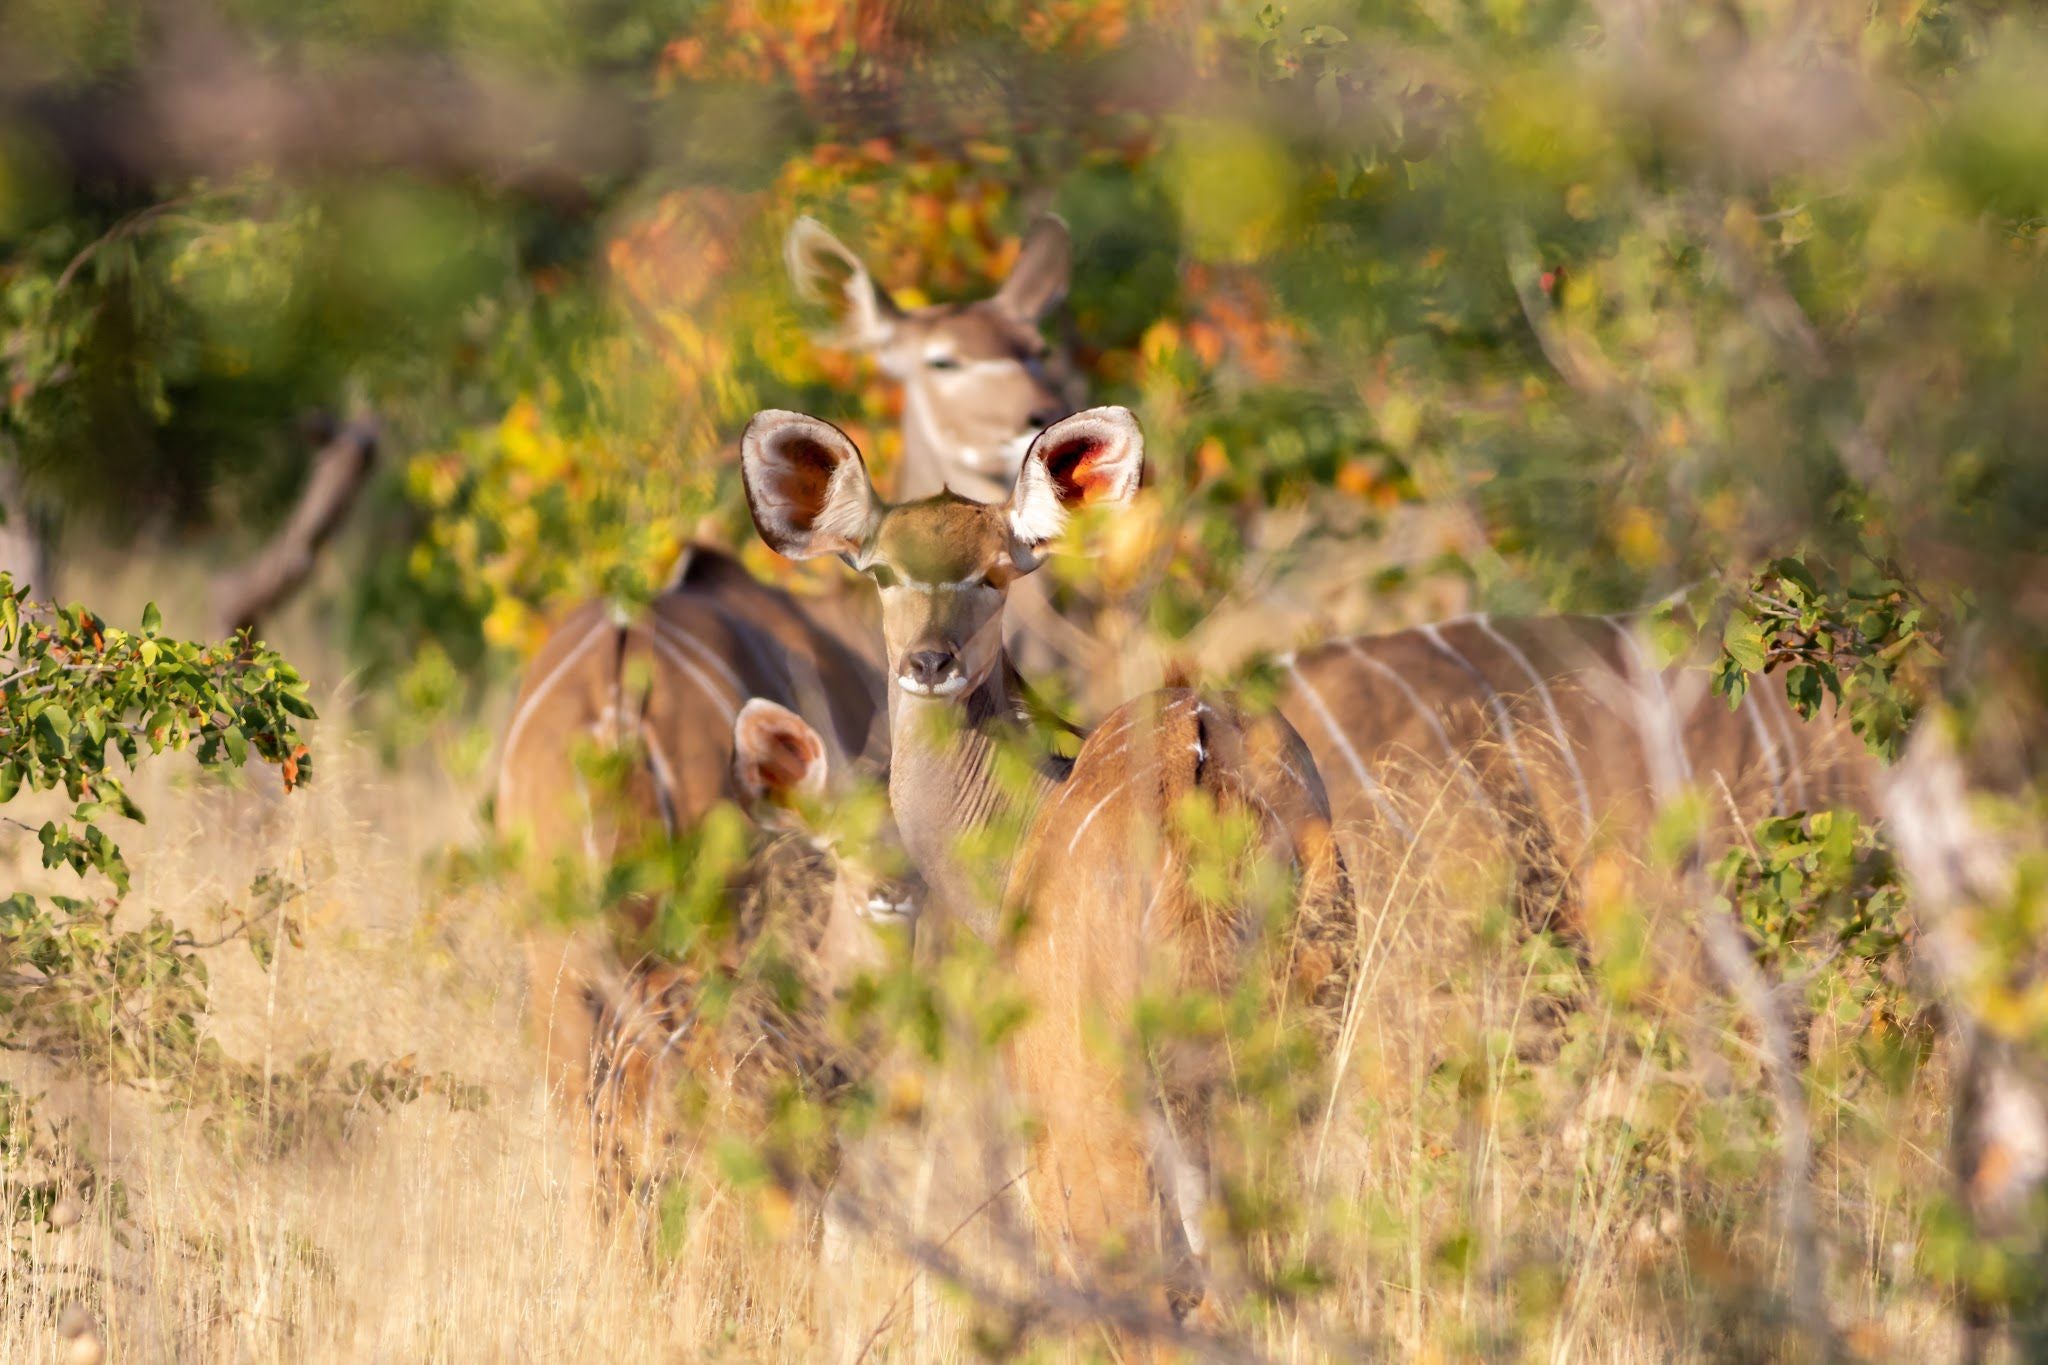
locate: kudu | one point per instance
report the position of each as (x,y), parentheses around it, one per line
(672,688)
(1561,733)
(979,380)
(978,385)
(808,914)
(1100,881)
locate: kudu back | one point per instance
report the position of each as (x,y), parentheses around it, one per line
(1554,738)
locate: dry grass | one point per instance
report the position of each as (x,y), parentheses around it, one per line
(1492,1175)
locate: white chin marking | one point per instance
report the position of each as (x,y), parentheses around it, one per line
(882,910)
(951,687)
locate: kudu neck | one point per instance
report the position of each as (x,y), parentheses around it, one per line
(945,785)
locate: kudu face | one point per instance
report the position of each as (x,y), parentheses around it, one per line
(979,381)
(944,564)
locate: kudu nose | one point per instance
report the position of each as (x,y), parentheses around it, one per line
(928,667)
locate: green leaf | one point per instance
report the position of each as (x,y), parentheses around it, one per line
(1796,577)
(55,723)
(152,620)
(1743,639)
(1669,636)
(1803,689)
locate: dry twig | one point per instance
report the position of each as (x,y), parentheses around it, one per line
(245,596)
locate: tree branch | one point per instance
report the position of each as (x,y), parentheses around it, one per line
(1729,949)
(245,596)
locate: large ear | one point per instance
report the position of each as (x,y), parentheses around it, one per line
(806,486)
(825,272)
(1091,459)
(776,757)
(1038,281)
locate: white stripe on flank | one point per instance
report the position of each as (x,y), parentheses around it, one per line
(664,784)
(704,684)
(589,810)
(813,703)
(1655,718)
(1357,766)
(1787,718)
(1300,781)
(771,660)
(1564,742)
(1428,714)
(1769,745)
(534,700)
(703,651)
(1195,709)
(1096,810)
(1493,703)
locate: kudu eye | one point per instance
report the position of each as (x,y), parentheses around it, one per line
(941,362)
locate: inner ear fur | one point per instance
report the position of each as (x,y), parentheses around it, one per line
(776,755)
(824,271)
(1092,459)
(807,487)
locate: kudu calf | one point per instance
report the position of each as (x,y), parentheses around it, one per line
(683,690)
(808,911)
(1100,883)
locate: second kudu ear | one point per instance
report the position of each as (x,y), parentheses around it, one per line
(776,756)
(1038,281)
(1092,459)
(824,271)
(806,486)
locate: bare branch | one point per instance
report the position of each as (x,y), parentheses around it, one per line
(896,1304)
(1729,949)
(1048,1299)
(1580,365)
(247,595)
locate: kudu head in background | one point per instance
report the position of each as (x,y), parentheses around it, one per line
(979,380)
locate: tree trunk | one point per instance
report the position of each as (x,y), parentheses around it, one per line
(245,596)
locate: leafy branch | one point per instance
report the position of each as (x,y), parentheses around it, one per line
(82,703)
(1866,642)
(73,688)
